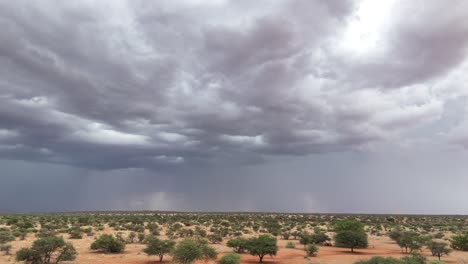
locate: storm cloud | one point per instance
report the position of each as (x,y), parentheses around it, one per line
(189,105)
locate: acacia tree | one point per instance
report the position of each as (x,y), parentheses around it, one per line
(238,245)
(262,246)
(189,250)
(158,247)
(5,237)
(350,234)
(108,244)
(460,242)
(410,240)
(438,249)
(46,250)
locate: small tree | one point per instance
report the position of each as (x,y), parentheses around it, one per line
(46,250)
(5,248)
(230,258)
(141,237)
(414,258)
(460,242)
(5,237)
(438,249)
(410,240)
(238,245)
(76,234)
(350,234)
(380,260)
(108,244)
(189,250)
(306,238)
(311,250)
(158,247)
(131,237)
(351,239)
(321,238)
(290,244)
(262,246)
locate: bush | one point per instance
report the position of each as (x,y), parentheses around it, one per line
(350,234)
(141,237)
(215,238)
(311,250)
(5,237)
(412,259)
(44,249)
(189,250)
(108,244)
(5,248)
(290,244)
(158,247)
(239,245)
(460,242)
(262,246)
(438,249)
(76,234)
(380,260)
(230,258)
(351,239)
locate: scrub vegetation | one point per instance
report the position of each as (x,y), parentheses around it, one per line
(131,237)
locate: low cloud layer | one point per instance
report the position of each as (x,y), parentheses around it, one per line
(197,91)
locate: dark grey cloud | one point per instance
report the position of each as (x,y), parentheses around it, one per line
(188,93)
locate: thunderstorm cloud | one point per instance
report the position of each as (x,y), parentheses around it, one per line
(301,105)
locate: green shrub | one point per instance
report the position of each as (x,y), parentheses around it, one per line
(290,244)
(261,246)
(460,242)
(108,244)
(311,250)
(158,247)
(238,245)
(350,234)
(47,250)
(189,250)
(5,248)
(230,258)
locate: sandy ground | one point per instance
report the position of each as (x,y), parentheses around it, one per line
(378,246)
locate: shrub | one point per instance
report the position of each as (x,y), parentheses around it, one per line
(380,260)
(351,239)
(108,244)
(141,237)
(158,247)
(438,249)
(238,245)
(460,242)
(5,248)
(350,234)
(410,240)
(230,258)
(189,250)
(311,250)
(414,258)
(131,237)
(76,234)
(5,237)
(262,246)
(215,238)
(290,244)
(43,250)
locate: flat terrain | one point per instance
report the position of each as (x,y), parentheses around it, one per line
(229,225)
(378,246)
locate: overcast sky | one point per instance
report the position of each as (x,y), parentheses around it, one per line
(217,105)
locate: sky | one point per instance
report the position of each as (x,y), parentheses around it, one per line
(215,105)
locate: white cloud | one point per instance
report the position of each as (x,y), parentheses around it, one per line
(97,133)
